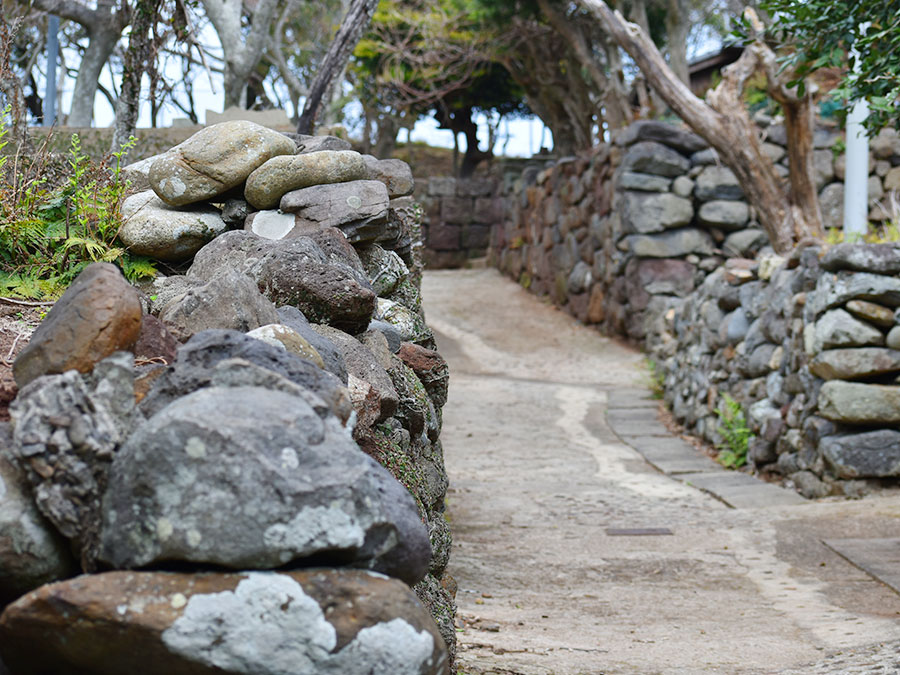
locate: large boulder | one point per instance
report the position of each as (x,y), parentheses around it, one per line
(359,208)
(32,553)
(294,485)
(323,622)
(229,300)
(320,274)
(280,175)
(151,228)
(215,160)
(100,313)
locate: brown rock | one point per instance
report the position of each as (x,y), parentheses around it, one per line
(317,621)
(99,314)
(597,305)
(431,369)
(155,341)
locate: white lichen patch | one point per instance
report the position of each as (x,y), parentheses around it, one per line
(289,458)
(269,626)
(194,538)
(315,528)
(178,601)
(195,448)
(164,528)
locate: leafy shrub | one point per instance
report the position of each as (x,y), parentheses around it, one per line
(51,229)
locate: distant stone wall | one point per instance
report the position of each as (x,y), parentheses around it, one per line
(650,238)
(458,216)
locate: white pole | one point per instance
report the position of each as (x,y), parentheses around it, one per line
(856,178)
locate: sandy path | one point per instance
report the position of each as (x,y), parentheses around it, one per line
(537,477)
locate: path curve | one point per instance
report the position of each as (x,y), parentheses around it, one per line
(538,478)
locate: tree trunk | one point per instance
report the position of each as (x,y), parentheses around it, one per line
(639,16)
(100,48)
(725,124)
(355,23)
(241,51)
(677,27)
(137,59)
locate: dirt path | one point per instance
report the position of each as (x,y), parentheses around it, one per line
(537,479)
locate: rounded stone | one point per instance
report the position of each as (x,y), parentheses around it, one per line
(280,175)
(215,160)
(152,228)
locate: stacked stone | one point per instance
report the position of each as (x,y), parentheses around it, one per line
(852,337)
(230,451)
(555,235)
(459,214)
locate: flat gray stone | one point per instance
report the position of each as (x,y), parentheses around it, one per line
(646,213)
(851,364)
(855,403)
(655,158)
(873,258)
(837,328)
(836,289)
(682,140)
(728,215)
(879,558)
(644,182)
(873,454)
(671,244)
(358,208)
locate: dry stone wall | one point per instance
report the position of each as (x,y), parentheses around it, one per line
(458,216)
(244,462)
(650,237)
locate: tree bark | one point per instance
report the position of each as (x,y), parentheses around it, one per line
(725,124)
(355,23)
(677,27)
(136,62)
(242,52)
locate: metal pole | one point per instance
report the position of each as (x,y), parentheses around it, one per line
(856,178)
(52,58)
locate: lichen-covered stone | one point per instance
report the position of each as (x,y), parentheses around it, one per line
(280,175)
(151,228)
(873,454)
(214,160)
(286,338)
(327,622)
(294,486)
(855,403)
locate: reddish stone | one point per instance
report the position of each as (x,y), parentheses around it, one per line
(431,369)
(99,314)
(155,342)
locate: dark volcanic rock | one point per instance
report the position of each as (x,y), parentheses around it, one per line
(294,485)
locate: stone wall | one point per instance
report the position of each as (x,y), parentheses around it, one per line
(650,238)
(246,460)
(458,216)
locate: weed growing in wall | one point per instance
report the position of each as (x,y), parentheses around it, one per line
(736,435)
(58,215)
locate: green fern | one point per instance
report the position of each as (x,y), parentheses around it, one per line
(736,435)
